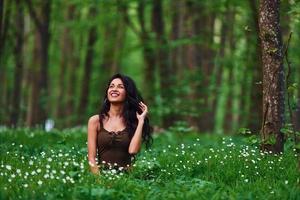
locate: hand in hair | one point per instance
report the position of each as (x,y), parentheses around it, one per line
(144,108)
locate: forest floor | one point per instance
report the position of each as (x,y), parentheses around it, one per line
(180,165)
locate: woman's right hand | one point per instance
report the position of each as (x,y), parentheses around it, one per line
(94,168)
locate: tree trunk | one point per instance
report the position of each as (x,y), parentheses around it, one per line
(19,64)
(66,62)
(72,68)
(162,60)
(232,117)
(5,13)
(85,90)
(273,76)
(33,109)
(256,89)
(177,34)
(42,22)
(148,54)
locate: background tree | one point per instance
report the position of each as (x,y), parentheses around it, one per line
(273,76)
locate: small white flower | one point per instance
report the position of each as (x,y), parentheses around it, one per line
(40,182)
(13,175)
(246,180)
(18,171)
(286,182)
(25,185)
(8,167)
(38,170)
(49,159)
(30,162)
(46,176)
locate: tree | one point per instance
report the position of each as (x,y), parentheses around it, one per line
(273,76)
(41,18)
(19,63)
(85,91)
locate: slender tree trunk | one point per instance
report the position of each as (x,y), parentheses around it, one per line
(74,63)
(273,76)
(19,64)
(66,62)
(297,116)
(230,114)
(32,113)
(5,15)
(177,34)
(148,54)
(85,91)
(189,57)
(162,60)
(221,76)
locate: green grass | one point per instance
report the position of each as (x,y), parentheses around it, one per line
(180,165)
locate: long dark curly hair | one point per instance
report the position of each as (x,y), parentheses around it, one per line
(131,106)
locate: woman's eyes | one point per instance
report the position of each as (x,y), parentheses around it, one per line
(119,86)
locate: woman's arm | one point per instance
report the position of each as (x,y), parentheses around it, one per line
(92,143)
(136,141)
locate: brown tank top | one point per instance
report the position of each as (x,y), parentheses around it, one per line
(113,147)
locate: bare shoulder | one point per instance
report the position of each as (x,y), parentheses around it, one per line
(93,121)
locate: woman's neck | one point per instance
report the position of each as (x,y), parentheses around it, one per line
(115,110)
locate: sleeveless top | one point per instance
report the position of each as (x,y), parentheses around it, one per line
(113,147)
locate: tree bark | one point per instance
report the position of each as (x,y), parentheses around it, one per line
(256,89)
(273,76)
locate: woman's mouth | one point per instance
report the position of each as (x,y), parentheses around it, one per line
(114,94)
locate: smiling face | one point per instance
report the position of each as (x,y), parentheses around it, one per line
(116,92)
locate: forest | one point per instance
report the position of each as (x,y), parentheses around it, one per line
(224,71)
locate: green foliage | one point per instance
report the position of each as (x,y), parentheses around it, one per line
(53,165)
(270,139)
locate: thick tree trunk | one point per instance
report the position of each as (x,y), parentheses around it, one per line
(42,22)
(19,64)
(273,76)
(256,89)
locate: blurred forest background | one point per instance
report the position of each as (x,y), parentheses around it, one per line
(195,62)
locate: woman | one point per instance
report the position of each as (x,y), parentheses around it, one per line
(116,134)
